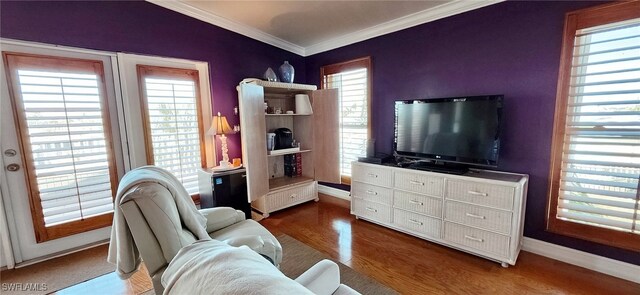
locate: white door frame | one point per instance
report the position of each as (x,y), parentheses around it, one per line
(15,194)
(131,108)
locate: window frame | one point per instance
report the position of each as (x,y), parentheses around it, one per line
(144,71)
(354,64)
(42,232)
(574,21)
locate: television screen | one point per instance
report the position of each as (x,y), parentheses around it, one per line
(463,129)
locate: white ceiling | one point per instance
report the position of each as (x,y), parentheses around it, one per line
(308,27)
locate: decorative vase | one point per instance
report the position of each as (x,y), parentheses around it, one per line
(270,75)
(287,72)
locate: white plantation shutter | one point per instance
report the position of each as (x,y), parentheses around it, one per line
(64,122)
(174,126)
(353,105)
(601,154)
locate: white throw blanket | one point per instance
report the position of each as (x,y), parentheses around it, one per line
(213,267)
(122,249)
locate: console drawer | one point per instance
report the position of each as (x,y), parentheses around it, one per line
(377,175)
(422,224)
(477,239)
(483,194)
(371,210)
(287,197)
(476,216)
(371,193)
(418,203)
(419,183)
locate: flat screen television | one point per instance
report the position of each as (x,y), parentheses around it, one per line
(463,130)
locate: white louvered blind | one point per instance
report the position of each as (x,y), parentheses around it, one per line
(601,152)
(64,122)
(174,128)
(353,103)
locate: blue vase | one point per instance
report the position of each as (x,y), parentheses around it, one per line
(287,72)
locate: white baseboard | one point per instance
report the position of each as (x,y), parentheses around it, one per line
(334,192)
(619,269)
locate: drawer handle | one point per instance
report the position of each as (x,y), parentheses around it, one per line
(416,182)
(373,175)
(293,196)
(475,216)
(477,193)
(474,239)
(372,192)
(415,222)
(371,209)
(416,202)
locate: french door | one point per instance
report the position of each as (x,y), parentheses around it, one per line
(74,121)
(60,148)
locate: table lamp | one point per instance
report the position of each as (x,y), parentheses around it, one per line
(220,126)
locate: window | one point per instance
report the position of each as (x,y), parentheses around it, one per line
(595,166)
(173,122)
(63,126)
(353,79)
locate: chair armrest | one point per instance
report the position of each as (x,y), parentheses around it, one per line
(253,242)
(322,278)
(221,217)
(256,243)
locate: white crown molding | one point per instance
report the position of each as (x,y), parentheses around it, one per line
(224,23)
(334,192)
(411,20)
(619,269)
(418,18)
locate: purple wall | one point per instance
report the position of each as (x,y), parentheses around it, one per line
(511,48)
(145,28)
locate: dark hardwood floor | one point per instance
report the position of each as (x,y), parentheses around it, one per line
(414,266)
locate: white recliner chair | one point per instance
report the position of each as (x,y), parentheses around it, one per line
(157,217)
(213,267)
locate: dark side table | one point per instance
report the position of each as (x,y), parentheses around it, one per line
(224,189)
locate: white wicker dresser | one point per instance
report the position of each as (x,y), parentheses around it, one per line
(480,212)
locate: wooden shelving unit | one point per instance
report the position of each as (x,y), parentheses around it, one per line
(268,187)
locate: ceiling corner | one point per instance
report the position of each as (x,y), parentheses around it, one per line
(411,20)
(224,23)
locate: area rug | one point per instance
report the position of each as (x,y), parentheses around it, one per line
(298,257)
(57,273)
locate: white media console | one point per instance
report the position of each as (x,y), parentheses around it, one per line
(480,212)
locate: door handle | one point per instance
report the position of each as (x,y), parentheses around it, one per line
(10,153)
(13,167)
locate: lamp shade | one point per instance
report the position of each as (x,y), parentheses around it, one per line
(220,126)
